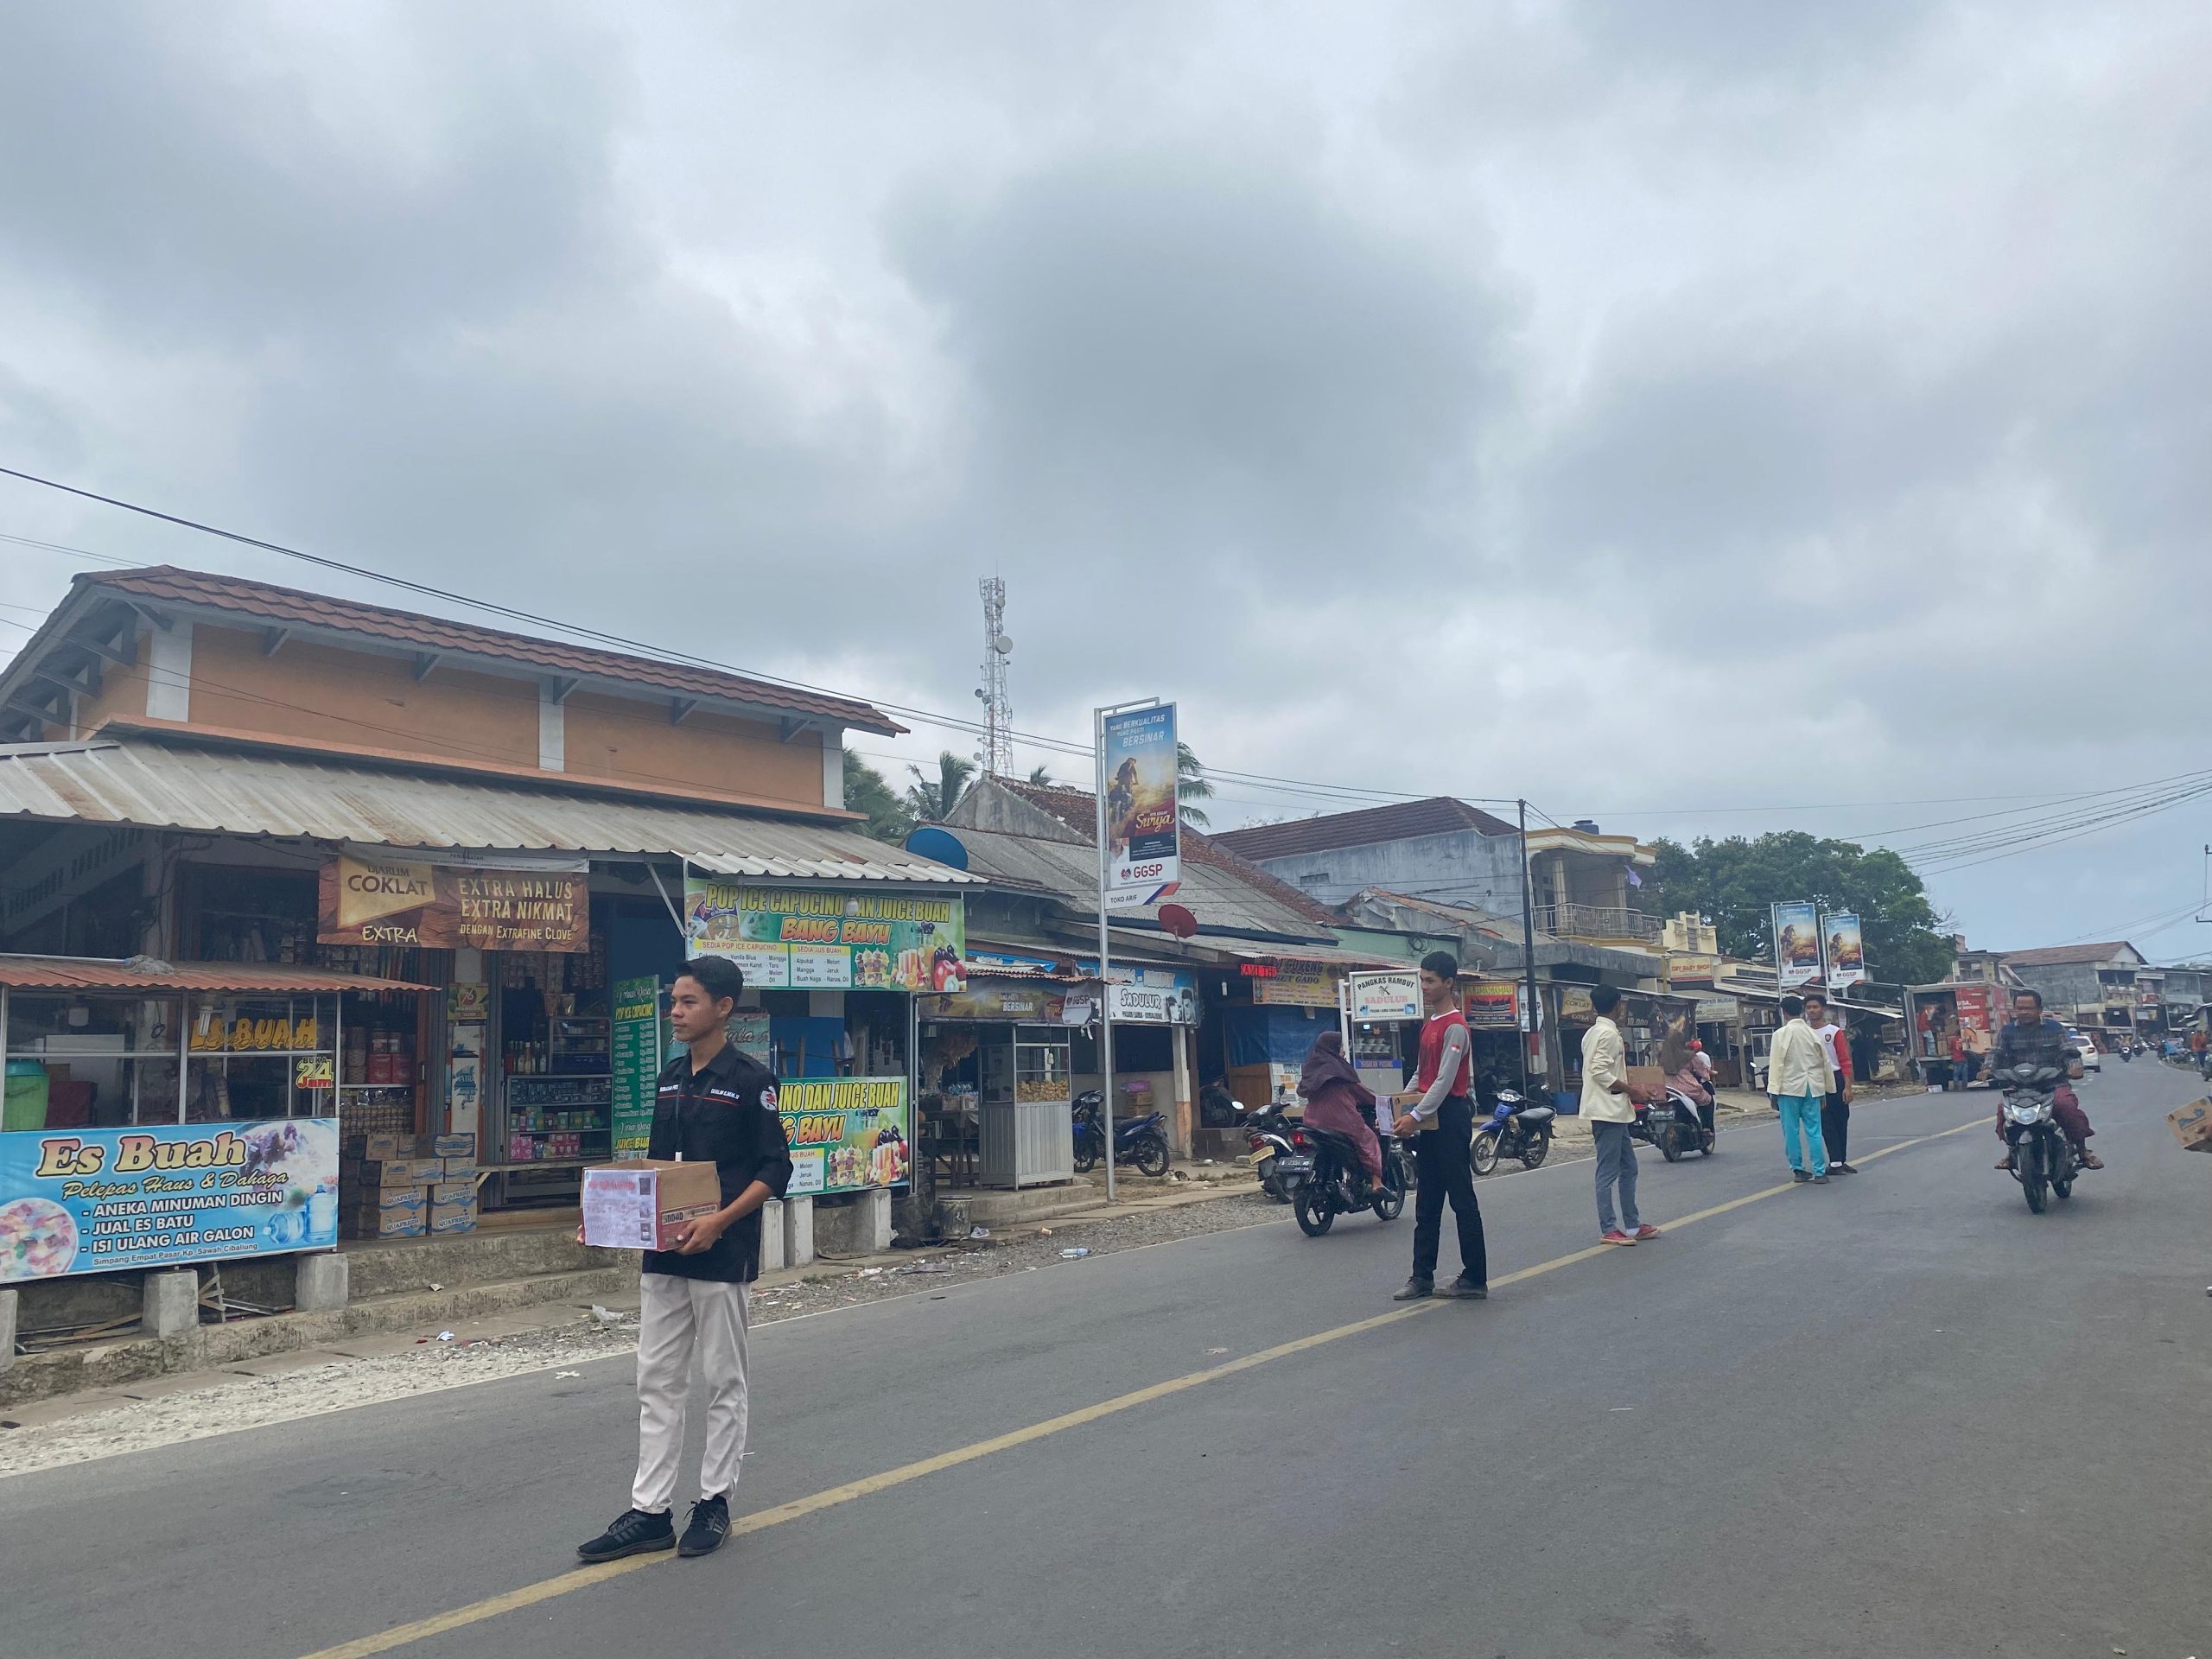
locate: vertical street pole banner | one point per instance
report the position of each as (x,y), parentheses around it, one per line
(638,1059)
(1140,846)
(1847,950)
(1136,768)
(1796,945)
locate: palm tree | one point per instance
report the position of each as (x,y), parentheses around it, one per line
(889,817)
(1191,783)
(1040,777)
(931,799)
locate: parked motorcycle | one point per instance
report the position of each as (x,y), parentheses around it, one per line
(1516,1129)
(1275,1160)
(2042,1158)
(1675,1125)
(1336,1184)
(1137,1140)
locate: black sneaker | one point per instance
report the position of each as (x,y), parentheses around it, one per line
(1416,1288)
(1820,1180)
(709,1527)
(1467,1290)
(1800,1175)
(632,1534)
(1841,1169)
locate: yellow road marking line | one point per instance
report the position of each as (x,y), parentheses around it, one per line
(582,1578)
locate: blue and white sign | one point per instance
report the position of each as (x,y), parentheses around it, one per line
(76,1201)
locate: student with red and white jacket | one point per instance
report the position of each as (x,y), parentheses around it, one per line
(1835,1110)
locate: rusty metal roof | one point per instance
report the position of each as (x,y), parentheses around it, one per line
(147,974)
(165,784)
(268,602)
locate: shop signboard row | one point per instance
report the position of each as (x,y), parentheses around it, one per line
(1288,982)
(104,1200)
(847,1133)
(1137,995)
(443,907)
(803,938)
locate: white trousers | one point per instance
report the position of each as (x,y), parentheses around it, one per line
(682,1317)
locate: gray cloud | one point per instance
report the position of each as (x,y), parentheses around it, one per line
(1754,409)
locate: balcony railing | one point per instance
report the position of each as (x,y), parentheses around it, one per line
(1598,922)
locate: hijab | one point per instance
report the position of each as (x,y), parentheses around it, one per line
(1325,1065)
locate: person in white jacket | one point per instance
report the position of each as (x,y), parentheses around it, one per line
(1798,1078)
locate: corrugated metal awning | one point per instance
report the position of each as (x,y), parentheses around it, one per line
(166,785)
(149,974)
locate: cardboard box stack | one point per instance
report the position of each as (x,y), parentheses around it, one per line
(407,1186)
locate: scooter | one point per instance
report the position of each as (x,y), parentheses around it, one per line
(1275,1160)
(1515,1129)
(1136,1141)
(1337,1183)
(1675,1125)
(2042,1157)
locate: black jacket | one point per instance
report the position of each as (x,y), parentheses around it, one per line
(725,1113)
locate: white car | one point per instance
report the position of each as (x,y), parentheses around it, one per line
(2091,1059)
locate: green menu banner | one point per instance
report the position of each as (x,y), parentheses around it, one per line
(638,1050)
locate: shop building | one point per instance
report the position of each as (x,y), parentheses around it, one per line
(1238,1001)
(2097,987)
(416,883)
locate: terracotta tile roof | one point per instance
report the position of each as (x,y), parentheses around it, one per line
(2051,955)
(267,602)
(1441,815)
(1079,812)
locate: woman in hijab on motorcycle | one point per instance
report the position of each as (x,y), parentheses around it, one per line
(1677,1058)
(1334,1094)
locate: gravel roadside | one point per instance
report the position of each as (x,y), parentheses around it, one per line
(310,1390)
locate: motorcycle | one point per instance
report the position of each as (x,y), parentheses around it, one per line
(1675,1125)
(1136,1141)
(1276,1159)
(2042,1157)
(1337,1184)
(1515,1129)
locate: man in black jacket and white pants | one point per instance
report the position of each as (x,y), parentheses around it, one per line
(715,1104)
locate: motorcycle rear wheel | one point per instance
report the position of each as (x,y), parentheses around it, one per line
(1152,1156)
(1315,1212)
(1484,1152)
(1670,1144)
(1533,1152)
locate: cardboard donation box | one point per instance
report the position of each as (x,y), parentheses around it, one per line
(2192,1125)
(1646,1083)
(639,1204)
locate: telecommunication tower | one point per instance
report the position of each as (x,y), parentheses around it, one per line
(997,753)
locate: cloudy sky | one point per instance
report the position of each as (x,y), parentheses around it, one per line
(1712,417)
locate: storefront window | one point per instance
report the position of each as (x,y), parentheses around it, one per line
(260,1058)
(90,1062)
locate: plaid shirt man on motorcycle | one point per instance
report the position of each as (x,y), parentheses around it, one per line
(2035,1038)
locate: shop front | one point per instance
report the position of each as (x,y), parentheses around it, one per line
(997,1079)
(1644,1016)
(158,1113)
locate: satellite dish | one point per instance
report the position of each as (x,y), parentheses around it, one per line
(939,845)
(1003,644)
(1178,920)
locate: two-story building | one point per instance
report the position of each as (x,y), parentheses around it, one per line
(270,857)
(1582,882)
(2094,987)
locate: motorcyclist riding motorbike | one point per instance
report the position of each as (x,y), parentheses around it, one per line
(1334,1099)
(2034,1037)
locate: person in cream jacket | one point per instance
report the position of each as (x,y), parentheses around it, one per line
(1799,1077)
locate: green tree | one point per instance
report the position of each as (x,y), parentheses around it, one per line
(1041,777)
(931,799)
(867,791)
(1735,883)
(1191,784)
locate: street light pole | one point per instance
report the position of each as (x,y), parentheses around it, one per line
(1527,945)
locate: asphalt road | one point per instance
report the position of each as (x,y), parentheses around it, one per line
(1896,1414)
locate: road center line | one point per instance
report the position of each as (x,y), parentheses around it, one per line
(582,1578)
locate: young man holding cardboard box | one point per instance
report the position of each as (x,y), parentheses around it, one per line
(715,1106)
